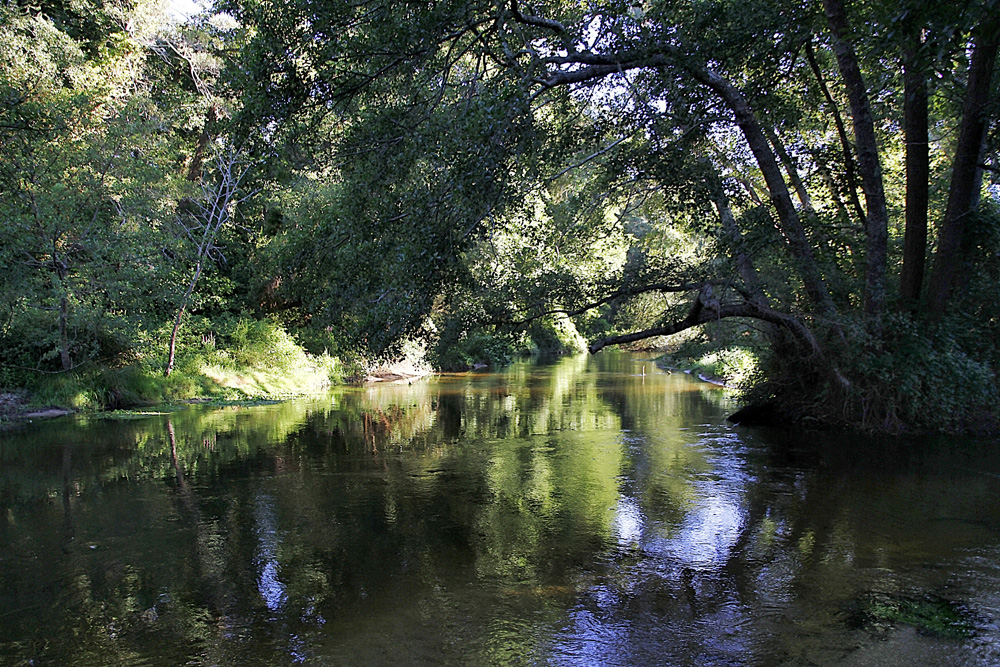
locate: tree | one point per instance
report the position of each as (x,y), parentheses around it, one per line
(202,219)
(531,92)
(877,217)
(83,167)
(963,195)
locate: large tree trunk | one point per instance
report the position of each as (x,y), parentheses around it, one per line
(877,227)
(962,193)
(915,135)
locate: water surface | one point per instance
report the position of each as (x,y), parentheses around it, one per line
(594,511)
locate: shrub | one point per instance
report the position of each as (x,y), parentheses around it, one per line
(734,366)
(478,348)
(556,334)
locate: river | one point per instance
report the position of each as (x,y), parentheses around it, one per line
(590,511)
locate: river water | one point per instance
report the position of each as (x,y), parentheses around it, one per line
(592,511)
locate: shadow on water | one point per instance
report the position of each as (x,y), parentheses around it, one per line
(574,513)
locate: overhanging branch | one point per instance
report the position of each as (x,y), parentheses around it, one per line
(700,314)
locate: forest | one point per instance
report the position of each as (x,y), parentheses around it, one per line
(799,196)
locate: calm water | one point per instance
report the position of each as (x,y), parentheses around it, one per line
(579,513)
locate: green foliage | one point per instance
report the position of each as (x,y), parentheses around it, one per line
(478,348)
(913,379)
(460,175)
(929,614)
(82,240)
(246,358)
(556,334)
(733,366)
(240,359)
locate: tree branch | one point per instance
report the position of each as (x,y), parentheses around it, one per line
(699,315)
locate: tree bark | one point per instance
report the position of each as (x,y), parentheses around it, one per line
(877,226)
(62,275)
(700,314)
(915,134)
(64,356)
(962,193)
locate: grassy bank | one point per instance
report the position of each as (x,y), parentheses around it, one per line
(243,360)
(732,367)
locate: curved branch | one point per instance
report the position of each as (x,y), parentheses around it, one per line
(625,292)
(781,200)
(537,21)
(700,314)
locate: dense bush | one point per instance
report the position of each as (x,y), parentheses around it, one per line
(915,377)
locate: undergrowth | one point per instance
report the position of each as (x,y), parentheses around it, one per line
(241,359)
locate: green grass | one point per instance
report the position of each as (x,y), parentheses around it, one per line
(254,361)
(732,365)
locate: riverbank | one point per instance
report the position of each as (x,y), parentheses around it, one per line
(726,367)
(249,385)
(702,375)
(17,405)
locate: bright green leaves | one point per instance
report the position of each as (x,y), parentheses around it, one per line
(82,188)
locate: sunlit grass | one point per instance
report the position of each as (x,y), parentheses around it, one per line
(259,361)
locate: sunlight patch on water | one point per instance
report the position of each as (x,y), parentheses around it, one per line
(271,588)
(629,522)
(709,532)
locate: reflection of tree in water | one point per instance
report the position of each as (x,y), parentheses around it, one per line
(561,515)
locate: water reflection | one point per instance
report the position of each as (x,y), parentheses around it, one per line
(270,586)
(574,513)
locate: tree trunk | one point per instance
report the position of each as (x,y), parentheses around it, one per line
(180,314)
(173,343)
(962,193)
(791,225)
(877,227)
(845,142)
(64,356)
(61,271)
(915,135)
(792,171)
